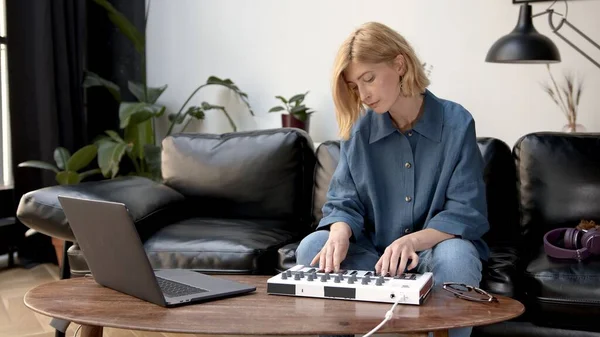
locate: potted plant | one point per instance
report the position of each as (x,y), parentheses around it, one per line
(67,165)
(567,97)
(298,114)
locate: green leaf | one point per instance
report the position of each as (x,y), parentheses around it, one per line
(301,116)
(138,135)
(277,108)
(216,80)
(297,98)
(40,165)
(137,89)
(94,80)
(153,159)
(299,108)
(82,158)
(67,178)
(161,110)
(229,84)
(195,112)
(109,157)
(226,82)
(282,99)
(61,156)
(100,138)
(124,25)
(137,118)
(88,173)
(115,136)
(134,113)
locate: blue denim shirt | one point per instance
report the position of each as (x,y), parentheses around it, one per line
(388,183)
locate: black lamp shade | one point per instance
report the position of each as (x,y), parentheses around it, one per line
(524,44)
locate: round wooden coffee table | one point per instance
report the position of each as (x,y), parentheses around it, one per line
(83,301)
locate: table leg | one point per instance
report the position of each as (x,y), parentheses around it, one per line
(91,331)
(440,333)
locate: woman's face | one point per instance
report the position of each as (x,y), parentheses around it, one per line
(377,85)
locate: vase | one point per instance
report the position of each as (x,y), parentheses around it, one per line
(573,128)
(290,121)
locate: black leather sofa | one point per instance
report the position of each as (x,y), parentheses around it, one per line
(241,202)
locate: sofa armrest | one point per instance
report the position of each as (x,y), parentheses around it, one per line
(286,256)
(501,272)
(145,199)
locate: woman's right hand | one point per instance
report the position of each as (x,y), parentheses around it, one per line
(335,249)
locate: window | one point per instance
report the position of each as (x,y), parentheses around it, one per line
(6,178)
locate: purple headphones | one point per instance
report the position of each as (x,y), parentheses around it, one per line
(576,244)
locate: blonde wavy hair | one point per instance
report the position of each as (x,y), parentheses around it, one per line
(372,42)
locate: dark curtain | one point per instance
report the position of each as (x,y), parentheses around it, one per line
(50,43)
(45,57)
(112,56)
(45,60)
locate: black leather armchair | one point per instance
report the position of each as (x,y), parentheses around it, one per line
(559,185)
(240,203)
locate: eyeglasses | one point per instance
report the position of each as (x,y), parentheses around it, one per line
(468,292)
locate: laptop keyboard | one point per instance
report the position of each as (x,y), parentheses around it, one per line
(176,289)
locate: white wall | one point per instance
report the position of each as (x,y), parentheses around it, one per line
(274,47)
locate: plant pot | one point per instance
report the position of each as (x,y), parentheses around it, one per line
(289,121)
(573,128)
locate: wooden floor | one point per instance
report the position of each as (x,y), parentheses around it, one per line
(16,320)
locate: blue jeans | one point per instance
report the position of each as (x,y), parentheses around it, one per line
(453,260)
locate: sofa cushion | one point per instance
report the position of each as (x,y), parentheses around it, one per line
(287,256)
(327,157)
(558,181)
(212,246)
(257,174)
(499,174)
(220,245)
(41,210)
(563,293)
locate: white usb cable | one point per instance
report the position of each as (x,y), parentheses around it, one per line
(388,315)
(76,331)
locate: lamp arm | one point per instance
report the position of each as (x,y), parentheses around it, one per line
(564,21)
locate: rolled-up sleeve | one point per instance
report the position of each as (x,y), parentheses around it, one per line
(464,213)
(343,203)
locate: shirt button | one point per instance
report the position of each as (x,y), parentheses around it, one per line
(406,231)
(407,165)
(410,133)
(408,199)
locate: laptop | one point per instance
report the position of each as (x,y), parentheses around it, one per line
(116,257)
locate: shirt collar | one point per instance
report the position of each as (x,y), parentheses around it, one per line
(429,124)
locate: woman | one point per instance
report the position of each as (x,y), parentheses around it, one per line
(408,191)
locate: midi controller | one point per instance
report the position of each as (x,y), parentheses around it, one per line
(357,285)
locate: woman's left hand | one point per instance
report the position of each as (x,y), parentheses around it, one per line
(402,249)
